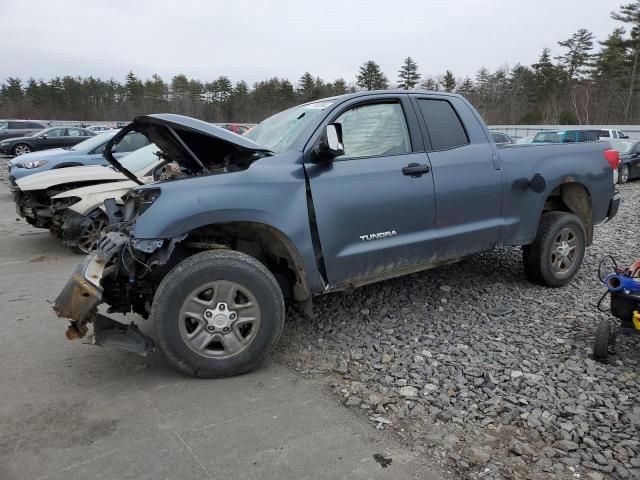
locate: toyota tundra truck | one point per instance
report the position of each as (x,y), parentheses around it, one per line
(323,197)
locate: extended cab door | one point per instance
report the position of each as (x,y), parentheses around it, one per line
(467,174)
(374,206)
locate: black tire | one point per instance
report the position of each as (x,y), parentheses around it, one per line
(623,173)
(537,257)
(198,270)
(601,343)
(21,149)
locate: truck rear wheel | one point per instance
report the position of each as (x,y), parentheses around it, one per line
(555,256)
(217,314)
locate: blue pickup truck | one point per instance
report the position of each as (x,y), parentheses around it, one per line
(323,197)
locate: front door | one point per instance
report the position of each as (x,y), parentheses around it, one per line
(374,206)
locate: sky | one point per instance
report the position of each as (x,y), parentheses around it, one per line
(255,40)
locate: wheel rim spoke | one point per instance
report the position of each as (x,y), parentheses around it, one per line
(201,319)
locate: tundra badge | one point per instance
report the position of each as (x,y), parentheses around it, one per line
(378,236)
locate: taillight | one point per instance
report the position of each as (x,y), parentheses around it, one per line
(613,157)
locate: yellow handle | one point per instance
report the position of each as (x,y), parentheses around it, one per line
(636,319)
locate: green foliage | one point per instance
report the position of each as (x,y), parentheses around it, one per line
(448,81)
(408,76)
(371,77)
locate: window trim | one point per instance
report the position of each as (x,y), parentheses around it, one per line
(427,134)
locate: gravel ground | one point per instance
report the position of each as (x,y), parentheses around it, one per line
(491,372)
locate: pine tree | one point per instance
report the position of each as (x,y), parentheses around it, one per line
(306,85)
(466,87)
(371,77)
(408,76)
(448,81)
(578,57)
(630,14)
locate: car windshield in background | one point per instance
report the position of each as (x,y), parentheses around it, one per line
(548,137)
(141,158)
(277,133)
(93,142)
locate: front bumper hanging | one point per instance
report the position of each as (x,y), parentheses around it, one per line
(79,300)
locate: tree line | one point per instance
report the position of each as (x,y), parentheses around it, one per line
(588,81)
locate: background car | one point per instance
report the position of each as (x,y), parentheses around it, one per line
(19,128)
(70,202)
(88,152)
(54,137)
(501,138)
(611,133)
(566,136)
(629,151)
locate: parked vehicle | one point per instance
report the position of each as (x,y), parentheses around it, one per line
(56,137)
(566,136)
(323,197)
(501,138)
(607,134)
(69,202)
(88,152)
(19,128)
(98,128)
(629,151)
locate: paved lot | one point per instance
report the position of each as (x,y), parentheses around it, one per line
(73,411)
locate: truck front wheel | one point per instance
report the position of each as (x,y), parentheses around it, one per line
(217,314)
(555,256)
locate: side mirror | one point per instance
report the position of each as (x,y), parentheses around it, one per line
(44,136)
(329,145)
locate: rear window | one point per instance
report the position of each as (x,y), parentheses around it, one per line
(443,124)
(34,125)
(604,133)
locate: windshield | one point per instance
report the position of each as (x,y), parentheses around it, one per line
(548,137)
(141,159)
(277,133)
(93,142)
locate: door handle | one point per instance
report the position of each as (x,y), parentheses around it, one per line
(415,170)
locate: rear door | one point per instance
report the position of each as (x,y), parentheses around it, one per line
(373,217)
(467,174)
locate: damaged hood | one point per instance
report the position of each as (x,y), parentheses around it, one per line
(186,141)
(60,176)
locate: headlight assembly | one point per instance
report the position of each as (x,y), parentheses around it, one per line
(33,164)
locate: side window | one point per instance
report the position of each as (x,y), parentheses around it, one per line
(443,124)
(582,136)
(17,125)
(569,137)
(604,133)
(374,130)
(75,132)
(131,142)
(56,132)
(34,126)
(593,136)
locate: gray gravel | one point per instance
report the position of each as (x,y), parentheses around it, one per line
(492,372)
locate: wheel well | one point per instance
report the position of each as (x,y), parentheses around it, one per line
(263,242)
(574,198)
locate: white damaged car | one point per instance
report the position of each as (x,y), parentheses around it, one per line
(70,201)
